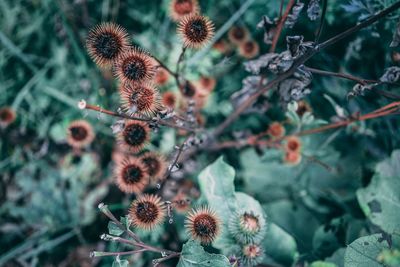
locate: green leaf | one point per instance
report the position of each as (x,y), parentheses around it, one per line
(322,264)
(380,202)
(390,257)
(120,263)
(364,252)
(193,255)
(391,166)
(113,229)
(216,185)
(280,245)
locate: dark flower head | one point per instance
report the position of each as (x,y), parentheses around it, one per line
(188,89)
(155,164)
(135,66)
(293,144)
(276,130)
(80,134)
(169,100)
(181,203)
(147,212)
(131,175)
(249,49)
(196,31)
(203,224)
(106,42)
(135,135)
(238,35)
(181,8)
(142,98)
(7,116)
(162,76)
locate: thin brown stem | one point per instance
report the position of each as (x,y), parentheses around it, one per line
(165,67)
(341,75)
(279,27)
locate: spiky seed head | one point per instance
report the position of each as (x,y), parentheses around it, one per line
(252,254)
(181,202)
(134,136)
(147,212)
(80,134)
(161,77)
(276,130)
(196,31)
(222,46)
(155,164)
(238,35)
(179,9)
(142,98)
(106,42)
(303,107)
(135,66)
(249,49)
(292,158)
(131,175)
(293,144)
(203,225)
(7,116)
(169,100)
(247,227)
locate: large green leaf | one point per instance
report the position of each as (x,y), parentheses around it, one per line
(364,252)
(280,245)
(193,255)
(380,201)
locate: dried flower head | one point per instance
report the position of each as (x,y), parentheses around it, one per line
(181,8)
(222,46)
(7,116)
(131,175)
(249,49)
(247,227)
(292,158)
(238,35)
(188,89)
(169,100)
(181,203)
(196,31)
(293,144)
(147,212)
(207,83)
(161,77)
(106,42)
(142,98)
(203,224)
(80,134)
(135,66)
(135,135)
(252,255)
(303,107)
(155,164)
(276,130)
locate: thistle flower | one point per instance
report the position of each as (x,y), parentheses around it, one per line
(292,158)
(106,42)
(249,49)
(161,77)
(196,31)
(252,255)
(181,203)
(143,98)
(181,8)
(155,164)
(135,135)
(80,134)
(147,212)
(203,224)
(247,227)
(303,107)
(276,130)
(238,35)
(207,83)
(293,144)
(7,116)
(135,66)
(131,175)
(169,100)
